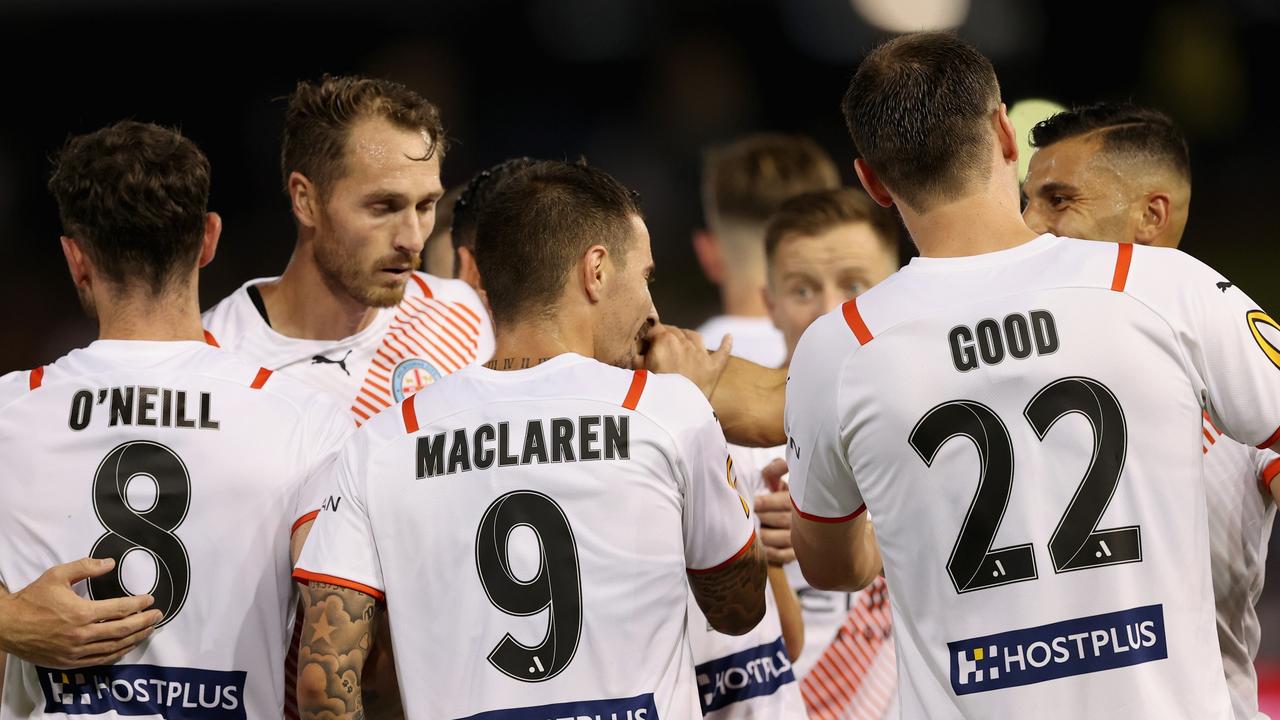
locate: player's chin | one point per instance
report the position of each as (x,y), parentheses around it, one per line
(386,291)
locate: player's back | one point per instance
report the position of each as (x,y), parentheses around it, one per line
(183,464)
(1024,428)
(531,533)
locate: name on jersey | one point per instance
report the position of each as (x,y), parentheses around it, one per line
(143,406)
(174,693)
(591,437)
(1062,649)
(743,675)
(640,707)
(990,342)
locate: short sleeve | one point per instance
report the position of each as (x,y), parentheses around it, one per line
(330,427)
(718,526)
(822,483)
(1268,464)
(340,549)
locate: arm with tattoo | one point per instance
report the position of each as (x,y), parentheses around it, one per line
(732,597)
(336,640)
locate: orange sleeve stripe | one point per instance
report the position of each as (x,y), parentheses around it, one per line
(854,319)
(1275,438)
(37,377)
(210,339)
(637,388)
(422,285)
(1124,256)
(303,521)
(410,415)
(1270,472)
(307,577)
(261,379)
(819,518)
(751,539)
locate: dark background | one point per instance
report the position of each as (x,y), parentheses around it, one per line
(637,86)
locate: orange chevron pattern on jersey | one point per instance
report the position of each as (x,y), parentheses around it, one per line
(427,339)
(856,676)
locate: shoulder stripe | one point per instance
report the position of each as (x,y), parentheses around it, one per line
(37,377)
(303,521)
(410,415)
(422,285)
(1124,256)
(819,518)
(1270,472)
(261,379)
(751,539)
(637,388)
(854,320)
(1275,438)
(307,577)
(210,339)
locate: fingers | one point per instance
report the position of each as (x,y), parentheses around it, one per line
(75,571)
(119,607)
(123,628)
(775,502)
(772,474)
(116,647)
(775,538)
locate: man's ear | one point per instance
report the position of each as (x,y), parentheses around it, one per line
(212,231)
(468,271)
(1006,135)
(871,183)
(1155,218)
(77,262)
(709,255)
(594,272)
(305,198)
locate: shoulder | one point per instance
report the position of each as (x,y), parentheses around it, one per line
(232,315)
(18,384)
(449,290)
(672,401)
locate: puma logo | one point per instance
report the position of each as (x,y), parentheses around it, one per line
(320,359)
(1224,285)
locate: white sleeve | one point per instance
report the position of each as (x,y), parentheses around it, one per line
(1233,346)
(340,549)
(329,428)
(718,526)
(822,483)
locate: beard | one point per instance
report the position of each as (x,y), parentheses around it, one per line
(343,271)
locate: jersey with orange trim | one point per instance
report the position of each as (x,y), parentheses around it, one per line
(1024,428)
(439,327)
(1241,514)
(164,458)
(565,525)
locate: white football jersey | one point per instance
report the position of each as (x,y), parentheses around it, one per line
(184,464)
(1023,427)
(439,327)
(749,675)
(754,338)
(531,531)
(1241,513)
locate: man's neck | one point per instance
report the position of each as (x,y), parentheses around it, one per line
(974,225)
(167,317)
(305,304)
(524,344)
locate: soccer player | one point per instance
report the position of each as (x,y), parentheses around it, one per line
(1022,416)
(743,183)
(178,463)
(533,528)
(1121,173)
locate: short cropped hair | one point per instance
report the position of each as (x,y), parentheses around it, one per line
(135,195)
(1125,129)
(320,116)
(745,181)
(917,110)
(466,211)
(538,223)
(818,212)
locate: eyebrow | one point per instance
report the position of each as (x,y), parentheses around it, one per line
(1052,187)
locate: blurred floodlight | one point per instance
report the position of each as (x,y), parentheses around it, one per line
(1024,115)
(903,16)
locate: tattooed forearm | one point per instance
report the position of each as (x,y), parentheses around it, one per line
(733,598)
(514,363)
(336,639)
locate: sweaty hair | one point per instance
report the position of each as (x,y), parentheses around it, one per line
(1125,129)
(817,212)
(135,195)
(320,117)
(466,211)
(537,224)
(918,110)
(745,181)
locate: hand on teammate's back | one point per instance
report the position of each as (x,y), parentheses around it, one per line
(47,623)
(675,350)
(774,511)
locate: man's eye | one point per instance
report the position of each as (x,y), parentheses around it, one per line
(1057,201)
(802,292)
(856,289)
(380,208)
